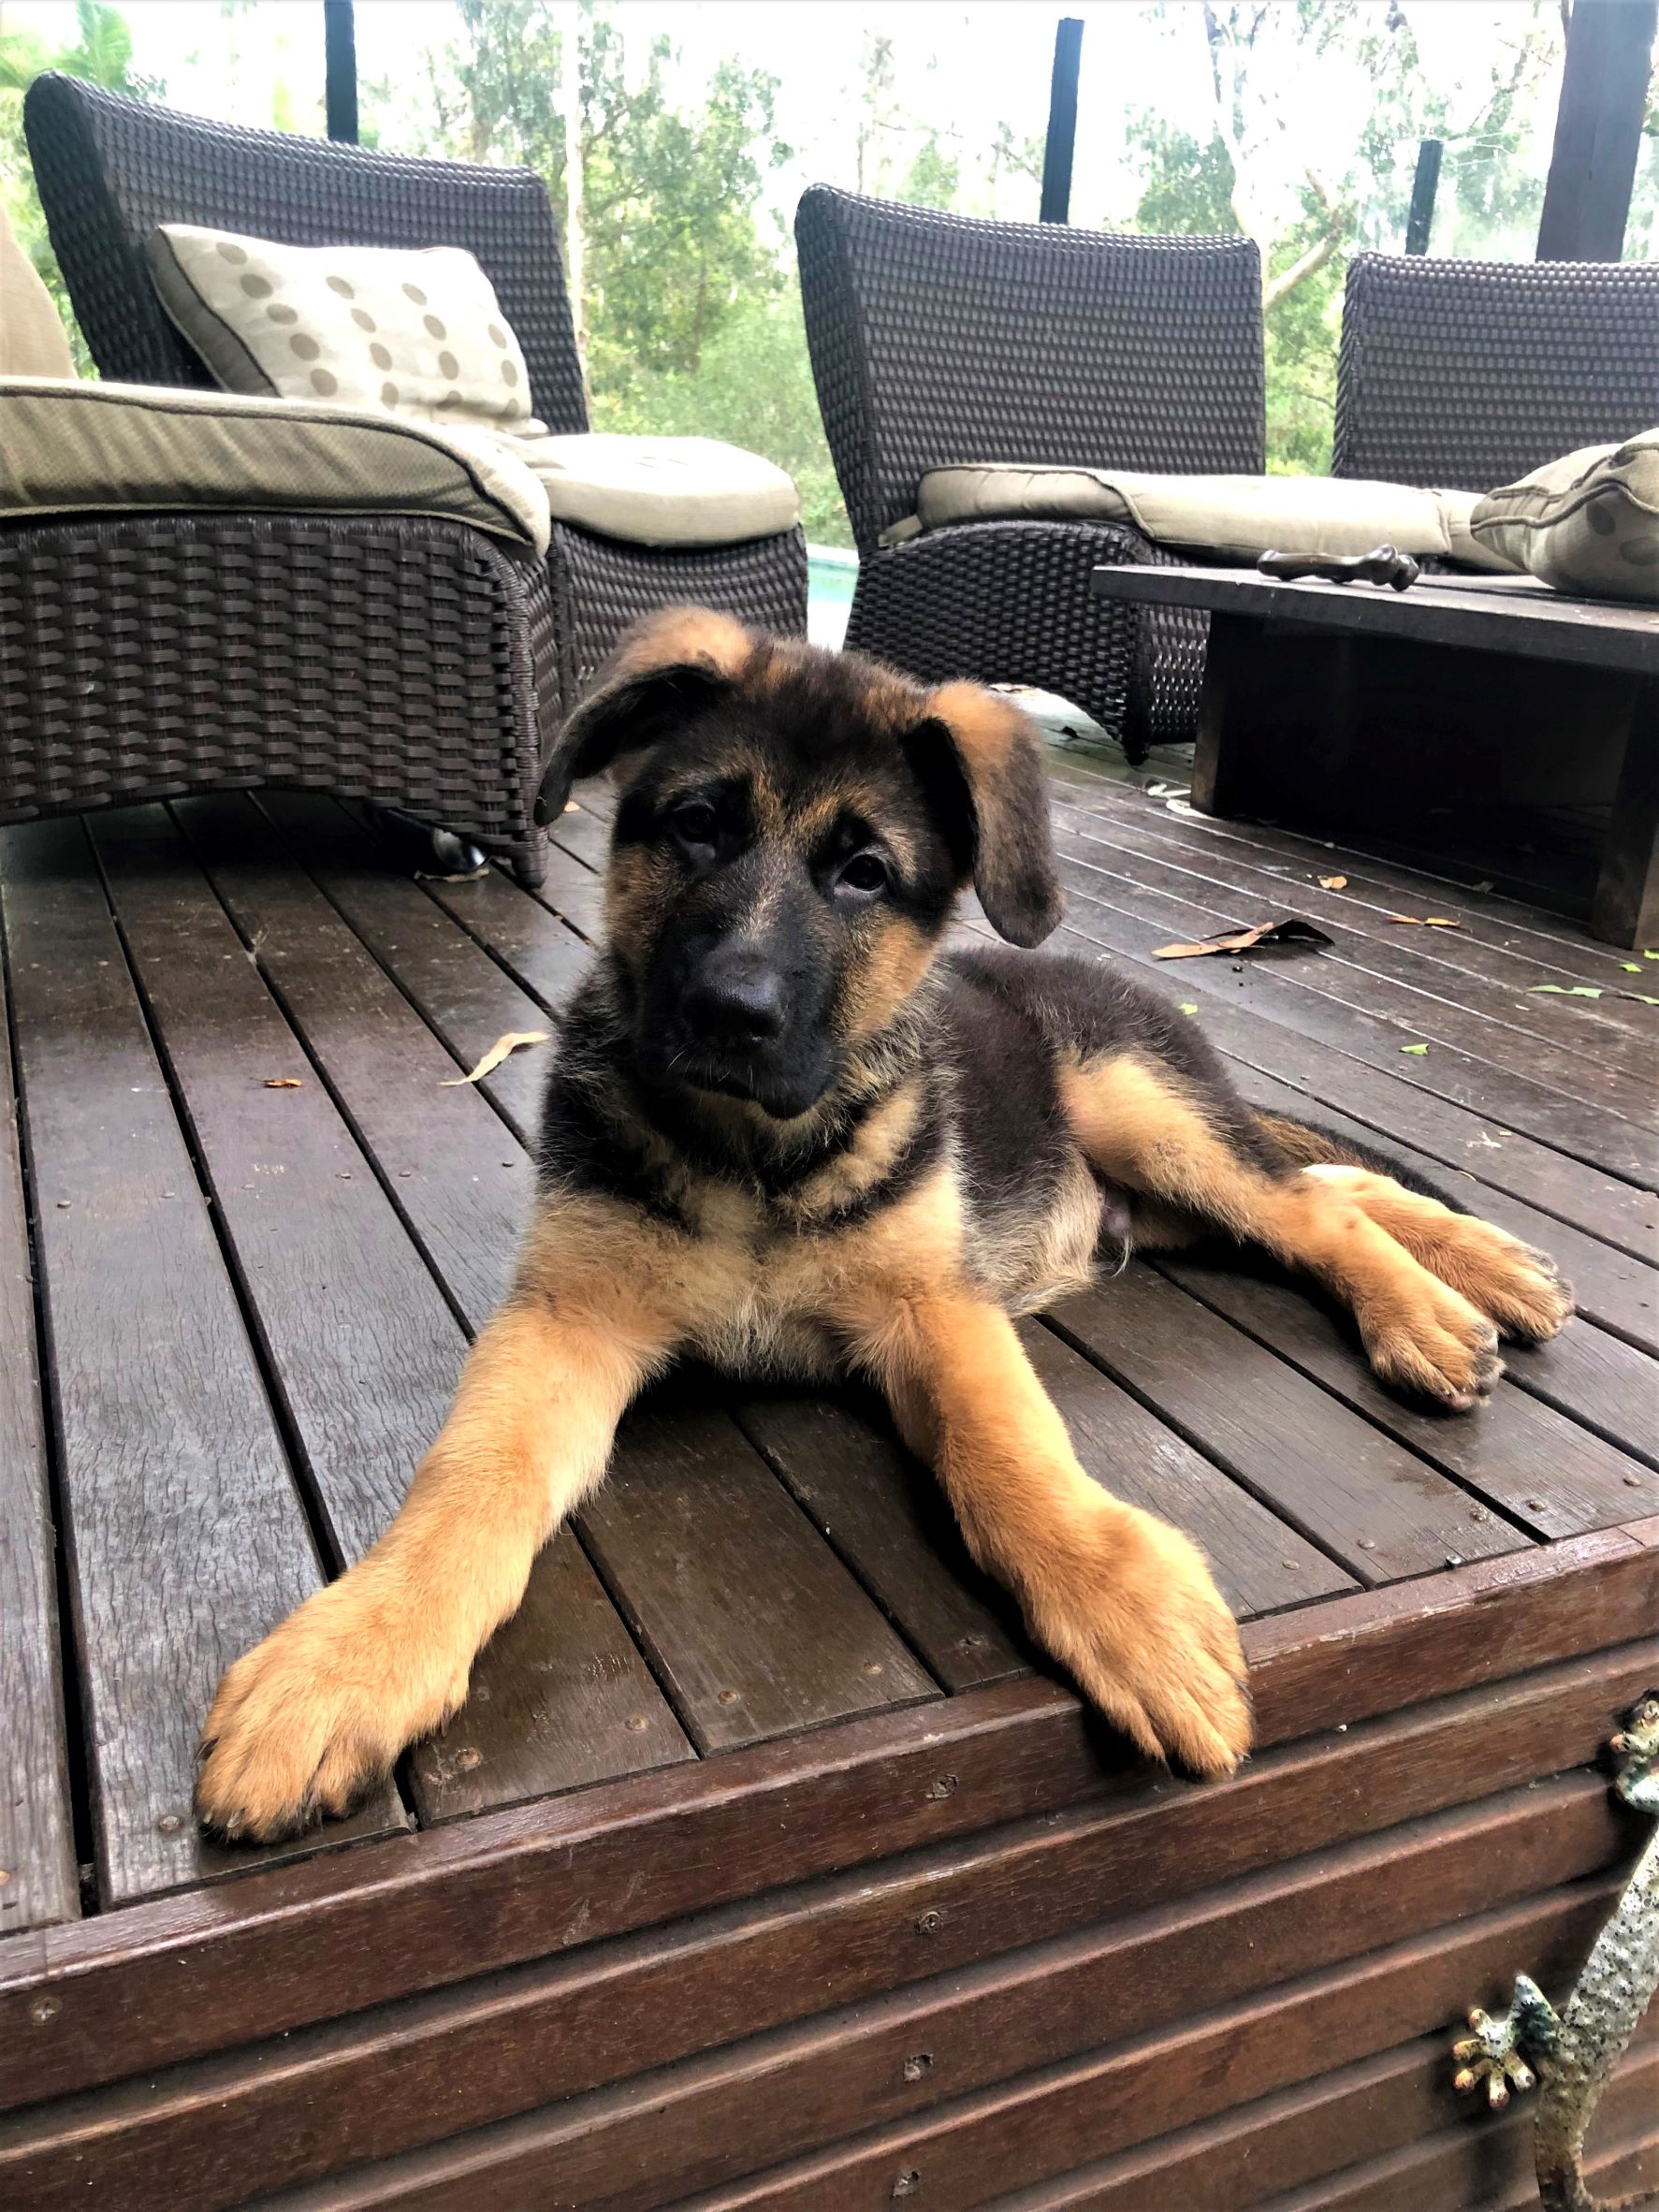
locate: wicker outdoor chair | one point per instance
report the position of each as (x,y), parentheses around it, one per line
(1469,375)
(418,663)
(936,340)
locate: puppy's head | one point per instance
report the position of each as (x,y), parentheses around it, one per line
(792,828)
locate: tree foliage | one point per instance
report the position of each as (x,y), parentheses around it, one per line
(691,302)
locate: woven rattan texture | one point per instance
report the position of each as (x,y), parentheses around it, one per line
(1005,603)
(1470,373)
(109,169)
(763,582)
(141,659)
(935,339)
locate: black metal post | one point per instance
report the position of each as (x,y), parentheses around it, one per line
(340,49)
(1598,130)
(1062,122)
(1423,187)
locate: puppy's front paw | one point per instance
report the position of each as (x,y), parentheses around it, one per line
(1127,1604)
(307,1722)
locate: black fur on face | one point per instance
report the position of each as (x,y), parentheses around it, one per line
(791,831)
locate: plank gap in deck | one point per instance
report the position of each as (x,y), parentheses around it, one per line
(185,1535)
(45,1817)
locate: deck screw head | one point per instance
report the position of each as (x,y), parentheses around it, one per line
(5,1876)
(916,2066)
(169,1824)
(929,1923)
(1368,1543)
(874,1666)
(907,2183)
(727,1698)
(970,1643)
(467,1759)
(1535,1505)
(43,2009)
(1632,1482)
(638,1722)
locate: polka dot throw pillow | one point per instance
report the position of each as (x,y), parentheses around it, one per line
(417,330)
(1587,524)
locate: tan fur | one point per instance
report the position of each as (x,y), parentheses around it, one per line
(1513,1285)
(984,726)
(686,637)
(1125,1601)
(1138,1129)
(382,1656)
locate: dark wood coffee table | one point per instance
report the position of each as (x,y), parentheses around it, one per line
(1345,707)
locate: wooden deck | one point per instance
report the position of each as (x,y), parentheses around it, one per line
(247,1223)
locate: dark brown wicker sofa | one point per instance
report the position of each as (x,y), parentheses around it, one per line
(412,661)
(938,340)
(1472,373)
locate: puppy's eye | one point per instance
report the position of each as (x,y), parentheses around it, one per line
(864,876)
(695,822)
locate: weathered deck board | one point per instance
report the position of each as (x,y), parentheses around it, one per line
(1457,962)
(186,1538)
(1100,785)
(548,2036)
(886,1517)
(716,2117)
(1262,1562)
(1462,1063)
(36,1821)
(753,1623)
(1374,1506)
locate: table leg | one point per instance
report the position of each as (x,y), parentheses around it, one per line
(1625,907)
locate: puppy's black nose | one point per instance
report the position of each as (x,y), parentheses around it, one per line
(737,998)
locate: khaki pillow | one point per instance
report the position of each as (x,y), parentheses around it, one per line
(32,339)
(1587,523)
(662,491)
(1240,517)
(417,330)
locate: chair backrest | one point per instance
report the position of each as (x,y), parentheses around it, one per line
(938,339)
(1471,373)
(109,169)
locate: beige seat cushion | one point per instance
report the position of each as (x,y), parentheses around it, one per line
(1587,523)
(75,447)
(662,491)
(32,339)
(417,329)
(1240,517)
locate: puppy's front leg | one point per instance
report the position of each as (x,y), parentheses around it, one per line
(318,1710)
(1121,1599)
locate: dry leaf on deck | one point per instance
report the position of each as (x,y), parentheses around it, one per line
(501,1049)
(1333,882)
(282,1083)
(1425,920)
(1293,930)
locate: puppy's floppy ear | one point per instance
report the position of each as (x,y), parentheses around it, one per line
(993,754)
(662,664)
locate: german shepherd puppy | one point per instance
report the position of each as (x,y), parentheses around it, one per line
(786,1134)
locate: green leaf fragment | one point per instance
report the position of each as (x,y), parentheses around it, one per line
(1414,1048)
(1567,990)
(1188,1006)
